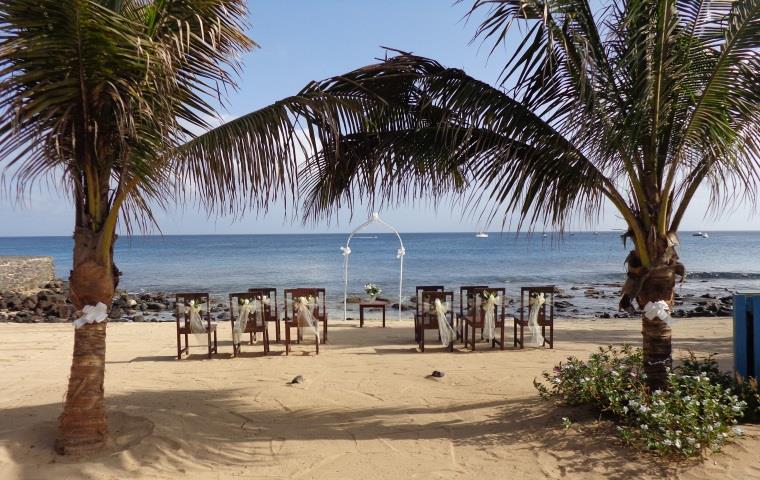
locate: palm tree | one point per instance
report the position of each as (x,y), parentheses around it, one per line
(100,99)
(635,105)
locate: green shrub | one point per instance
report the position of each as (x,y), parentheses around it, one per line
(697,413)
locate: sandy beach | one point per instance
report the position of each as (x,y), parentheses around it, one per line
(367,409)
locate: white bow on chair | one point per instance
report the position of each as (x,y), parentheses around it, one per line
(305,308)
(447,332)
(489,318)
(535,304)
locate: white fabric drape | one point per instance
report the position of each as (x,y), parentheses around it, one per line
(535,304)
(245,309)
(490,303)
(196,322)
(305,309)
(440,309)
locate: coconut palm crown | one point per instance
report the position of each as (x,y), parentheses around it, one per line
(100,100)
(636,105)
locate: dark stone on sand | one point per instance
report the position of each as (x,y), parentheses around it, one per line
(438,374)
(297,379)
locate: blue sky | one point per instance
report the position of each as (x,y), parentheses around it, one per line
(303,40)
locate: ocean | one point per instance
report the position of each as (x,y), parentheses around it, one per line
(726,261)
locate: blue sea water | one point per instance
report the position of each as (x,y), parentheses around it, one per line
(226,263)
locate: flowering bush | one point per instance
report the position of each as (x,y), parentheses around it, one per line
(696,413)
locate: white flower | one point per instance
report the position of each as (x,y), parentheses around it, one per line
(667,442)
(678,443)
(645,427)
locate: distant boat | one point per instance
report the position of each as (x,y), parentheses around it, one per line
(700,234)
(705,235)
(481,234)
(545,235)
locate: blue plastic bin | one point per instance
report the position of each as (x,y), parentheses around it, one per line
(747,334)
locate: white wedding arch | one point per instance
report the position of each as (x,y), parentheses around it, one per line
(375,218)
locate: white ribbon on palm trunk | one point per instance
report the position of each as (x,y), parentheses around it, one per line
(92,314)
(305,308)
(490,303)
(535,304)
(659,309)
(346,252)
(244,314)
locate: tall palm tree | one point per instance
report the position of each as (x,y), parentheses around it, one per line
(99,99)
(635,105)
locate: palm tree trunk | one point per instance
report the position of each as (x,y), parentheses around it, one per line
(82,425)
(657,346)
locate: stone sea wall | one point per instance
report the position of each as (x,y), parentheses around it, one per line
(22,273)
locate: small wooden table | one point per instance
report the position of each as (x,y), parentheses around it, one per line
(363,305)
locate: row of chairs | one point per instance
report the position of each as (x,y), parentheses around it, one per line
(472,314)
(257,322)
(466,323)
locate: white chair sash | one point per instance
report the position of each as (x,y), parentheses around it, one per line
(245,309)
(306,307)
(196,321)
(440,309)
(489,304)
(535,305)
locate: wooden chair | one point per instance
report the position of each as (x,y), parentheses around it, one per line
(183,326)
(293,320)
(429,320)
(466,301)
(257,321)
(476,317)
(543,319)
(273,314)
(418,306)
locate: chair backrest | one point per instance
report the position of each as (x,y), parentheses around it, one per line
(290,294)
(271,292)
(428,298)
(184,299)
(466,296)
(527,292)
(418,294)
(236,299)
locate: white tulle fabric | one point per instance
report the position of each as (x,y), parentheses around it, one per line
(446,331)
(92,314)
(305,309)
(489,304)
(535,304)
(196,322)
(659,309)
(245,309)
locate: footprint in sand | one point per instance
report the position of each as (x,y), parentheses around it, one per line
(276,444)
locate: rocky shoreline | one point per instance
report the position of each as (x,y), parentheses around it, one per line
(49,304)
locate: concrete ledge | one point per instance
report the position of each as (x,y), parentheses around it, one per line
(22,273)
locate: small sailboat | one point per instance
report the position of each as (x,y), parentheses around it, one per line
(481,234)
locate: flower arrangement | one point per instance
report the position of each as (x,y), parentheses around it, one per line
(695,414)
(372,290)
